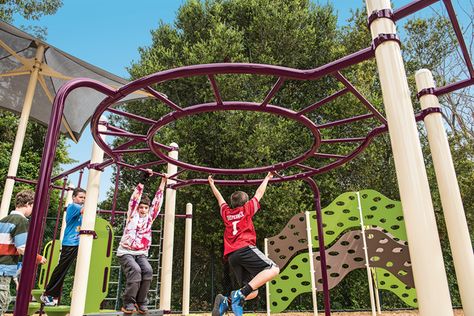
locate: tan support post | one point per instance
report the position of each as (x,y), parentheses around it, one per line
(63,223)
(267,285)
(366,255)
(20,132)
(168,236)
(79,290)
(187,258)
(309,237)
(425,249)
(456,224)
(377,296)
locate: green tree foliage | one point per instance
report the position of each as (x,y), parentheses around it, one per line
(290,33)
(29,10)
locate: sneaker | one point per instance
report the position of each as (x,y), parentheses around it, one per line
(129,308)
(238,300)
(48,300)
(142,309)
(221,306)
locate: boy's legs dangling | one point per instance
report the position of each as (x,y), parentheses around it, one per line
(133,277)
(252,269)
(146,277)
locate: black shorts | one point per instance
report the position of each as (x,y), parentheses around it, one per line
(247,262)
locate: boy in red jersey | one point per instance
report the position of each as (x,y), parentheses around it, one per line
(251,267)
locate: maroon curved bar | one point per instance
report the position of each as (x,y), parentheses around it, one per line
(211,70)
(41,201)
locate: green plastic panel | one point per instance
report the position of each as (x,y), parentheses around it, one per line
(291,282)
(61,310)
(341,215)
(99,273)
(295,279)
(53,261)
(101,260)
(387,281)
(33,307)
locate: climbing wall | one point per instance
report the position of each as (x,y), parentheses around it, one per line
(387,248)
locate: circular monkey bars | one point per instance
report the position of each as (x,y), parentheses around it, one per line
(147,142)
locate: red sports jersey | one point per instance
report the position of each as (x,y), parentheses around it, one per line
(239,231)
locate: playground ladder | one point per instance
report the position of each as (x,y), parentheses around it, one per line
(156,290)
(116,282)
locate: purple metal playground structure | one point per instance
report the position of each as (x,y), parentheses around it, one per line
(147,143)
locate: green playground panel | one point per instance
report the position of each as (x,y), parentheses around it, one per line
(293,281)
(387,281)
(296,280)
(61,310)
(53,260)
(99,272)
(339,216)
(343,214)
(33,307)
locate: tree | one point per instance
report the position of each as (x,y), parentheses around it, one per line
(29,10)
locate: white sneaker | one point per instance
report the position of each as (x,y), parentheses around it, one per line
(48,300)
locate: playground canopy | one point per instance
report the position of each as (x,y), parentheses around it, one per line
(31,72)
(18,51)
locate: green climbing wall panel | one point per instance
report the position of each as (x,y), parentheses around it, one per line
(387,281)
(341,215)
(291,282)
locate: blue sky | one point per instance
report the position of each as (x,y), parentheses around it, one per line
(108,34)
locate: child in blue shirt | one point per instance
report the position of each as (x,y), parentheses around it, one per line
(70,245)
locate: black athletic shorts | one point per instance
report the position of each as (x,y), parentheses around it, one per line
(247,262)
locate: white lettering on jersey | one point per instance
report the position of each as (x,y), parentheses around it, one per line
(234,226)
(236,216)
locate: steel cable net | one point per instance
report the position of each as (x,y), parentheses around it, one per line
(317,158)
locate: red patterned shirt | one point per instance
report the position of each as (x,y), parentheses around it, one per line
(239,231)
(137,232)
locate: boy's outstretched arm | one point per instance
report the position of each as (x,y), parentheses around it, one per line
(216,192)
(157,202)
(263,186)
(164,178)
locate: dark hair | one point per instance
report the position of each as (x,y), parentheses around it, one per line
(76,191)
(25,197)
(145,200)
(238,198)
